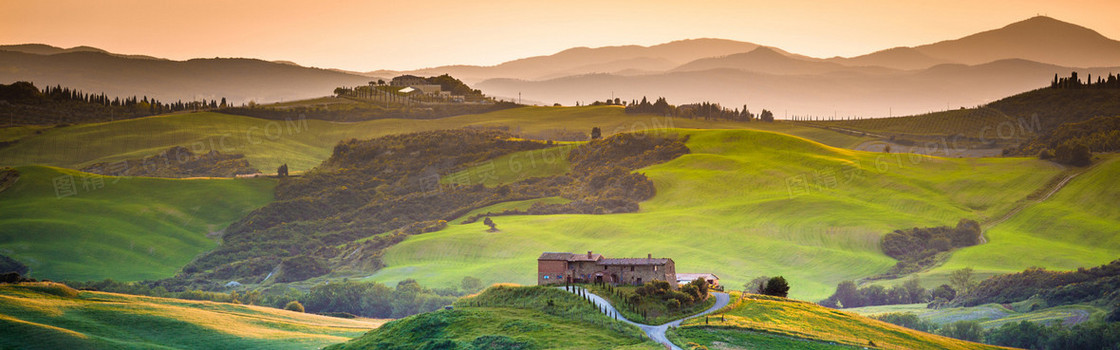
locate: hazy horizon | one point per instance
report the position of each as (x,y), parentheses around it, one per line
(401,36)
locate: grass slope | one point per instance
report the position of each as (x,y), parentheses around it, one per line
(797,319)
(303,144)
(743,204)
(1078,226)
(992,315)
(120,228)
(33,316)
(508,317)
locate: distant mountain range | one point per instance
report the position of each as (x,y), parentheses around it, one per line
(963,72)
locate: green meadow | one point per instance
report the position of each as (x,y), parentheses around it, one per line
(743,203)
(797,319)
(1079,226)
(303,144)
(993,315)
(53,316)
(66,224)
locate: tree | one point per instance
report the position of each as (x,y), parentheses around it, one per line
(1073,153)
(766,116)
(596,133)
(294,305)
(777,286)
(490,222)
(914,290)
(962,280)
(944,292)
(848,294)
(964,330)
(471,284)
(757,285)
(282,171)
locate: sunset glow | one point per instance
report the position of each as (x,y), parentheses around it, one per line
(364,35)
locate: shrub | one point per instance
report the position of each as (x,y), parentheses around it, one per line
(294,305)
(777,286)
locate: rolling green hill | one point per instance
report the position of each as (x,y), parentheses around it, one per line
(508,317)
(52,316)
(304,144)
(1076,227)
(66,224)
(757,317)
(743,204)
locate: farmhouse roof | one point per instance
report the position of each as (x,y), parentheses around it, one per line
(635,261)
(555,256)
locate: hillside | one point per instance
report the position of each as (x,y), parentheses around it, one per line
(66,224)
(740,205)
(52,316)
(1074,228)
(303,144)
(851,92)
(1006,122)
(1040,39)
(767,60)
(239,79)
(751,319)
(508,317)
(585,60)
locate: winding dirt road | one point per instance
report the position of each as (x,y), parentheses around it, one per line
(657,333)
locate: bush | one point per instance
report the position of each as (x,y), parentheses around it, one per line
(294,305)
(777,286)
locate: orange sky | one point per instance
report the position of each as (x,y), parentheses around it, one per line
(403,34)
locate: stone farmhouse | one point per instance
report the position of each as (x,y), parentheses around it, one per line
(559,268)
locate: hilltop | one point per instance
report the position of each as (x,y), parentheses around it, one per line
(508,317)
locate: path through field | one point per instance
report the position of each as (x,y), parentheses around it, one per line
(1020,208)
(657,333)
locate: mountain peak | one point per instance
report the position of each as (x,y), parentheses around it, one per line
(1041,39)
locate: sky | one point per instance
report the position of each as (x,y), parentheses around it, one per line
(402,34)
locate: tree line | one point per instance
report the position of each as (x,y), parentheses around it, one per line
(24,104)
(702,110)
(1073,82)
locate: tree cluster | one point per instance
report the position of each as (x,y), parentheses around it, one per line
(702,110)
(917,246)
(1073,82)
(1097,284)
(24,104)
(849,295)
(1074,140)
(1022,334)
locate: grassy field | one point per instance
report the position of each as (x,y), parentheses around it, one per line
(715,338)
(1078,226)
(784,317)
(120,228)
(508,317)
(743,204)
(34,316)
(991,315)
(304,144)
